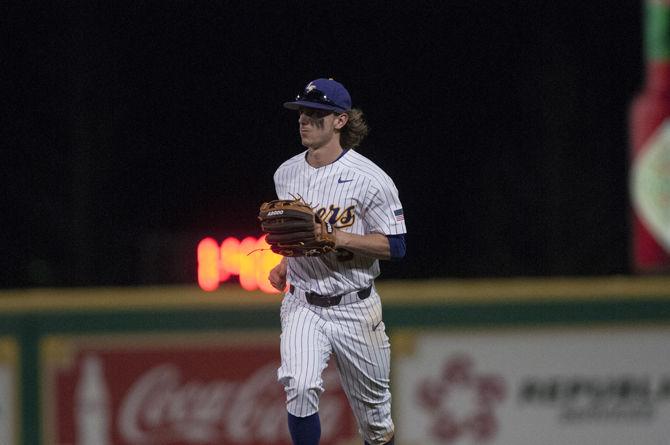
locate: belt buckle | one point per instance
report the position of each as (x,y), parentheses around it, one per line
(321,300)
(333,301)
(313,298)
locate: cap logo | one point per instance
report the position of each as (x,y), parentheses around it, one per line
(322,94)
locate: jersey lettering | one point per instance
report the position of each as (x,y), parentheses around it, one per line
(337,219)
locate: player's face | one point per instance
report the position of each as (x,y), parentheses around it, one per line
(317,127)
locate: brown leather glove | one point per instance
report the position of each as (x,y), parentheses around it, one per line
(290,228)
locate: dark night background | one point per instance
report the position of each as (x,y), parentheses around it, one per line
(134,129)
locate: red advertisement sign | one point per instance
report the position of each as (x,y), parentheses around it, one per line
(176,390)
(9,397)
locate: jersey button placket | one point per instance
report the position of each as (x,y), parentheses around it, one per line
(310,183)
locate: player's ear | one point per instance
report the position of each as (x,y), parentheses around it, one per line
(341,120)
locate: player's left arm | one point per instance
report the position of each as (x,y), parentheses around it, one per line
(385,222)
(375,245)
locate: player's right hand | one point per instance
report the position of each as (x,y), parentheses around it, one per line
(277,276)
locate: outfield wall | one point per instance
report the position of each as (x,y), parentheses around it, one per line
(518,361)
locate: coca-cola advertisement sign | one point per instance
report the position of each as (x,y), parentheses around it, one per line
(176,390)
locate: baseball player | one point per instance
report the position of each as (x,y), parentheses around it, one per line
(331,306)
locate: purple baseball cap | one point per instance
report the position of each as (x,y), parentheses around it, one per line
(323,94)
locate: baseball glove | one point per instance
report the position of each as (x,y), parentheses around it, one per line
(289,225)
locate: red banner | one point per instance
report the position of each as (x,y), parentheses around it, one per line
(176,390)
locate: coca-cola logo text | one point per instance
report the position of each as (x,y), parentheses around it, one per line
(160,407)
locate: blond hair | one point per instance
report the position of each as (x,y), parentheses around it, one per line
(356,129)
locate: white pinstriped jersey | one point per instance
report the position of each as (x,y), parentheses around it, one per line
(354,195)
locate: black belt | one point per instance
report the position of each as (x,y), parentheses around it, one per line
(326,301)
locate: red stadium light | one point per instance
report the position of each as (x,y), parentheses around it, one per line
(250,259)
(208,264)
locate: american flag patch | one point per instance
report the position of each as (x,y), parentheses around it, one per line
(399,216)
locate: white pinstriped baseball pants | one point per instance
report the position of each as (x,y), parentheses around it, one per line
(355,333)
